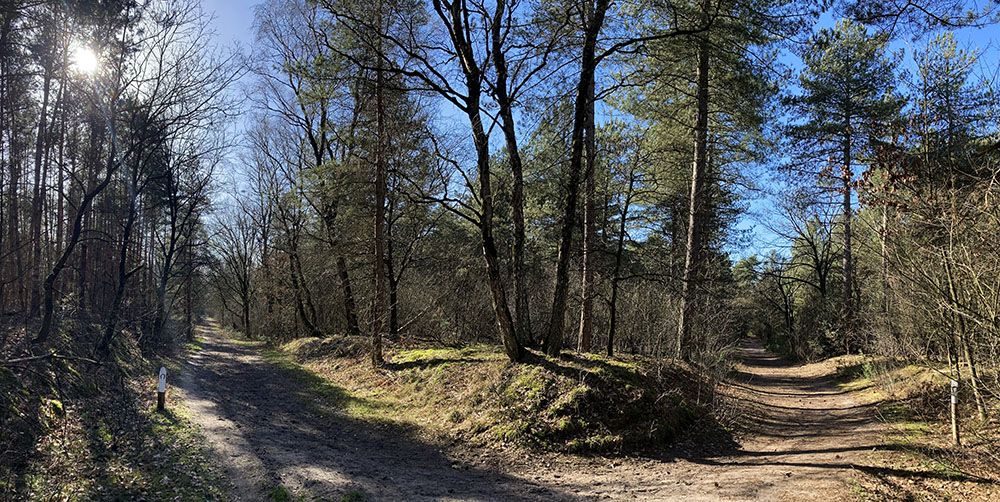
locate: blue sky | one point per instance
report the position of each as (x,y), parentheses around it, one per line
(761,206)
(233,22)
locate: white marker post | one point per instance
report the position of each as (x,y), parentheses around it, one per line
(954,414)
(161,390)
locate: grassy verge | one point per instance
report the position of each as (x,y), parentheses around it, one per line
(104,441)
(573,403)
(914,403)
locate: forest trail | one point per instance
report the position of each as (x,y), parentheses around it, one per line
(808,440)
(266,433)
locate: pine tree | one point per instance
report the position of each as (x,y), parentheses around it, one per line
(847,95)
(707,100)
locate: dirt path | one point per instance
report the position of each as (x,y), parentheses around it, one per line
(810,439)
(267,434)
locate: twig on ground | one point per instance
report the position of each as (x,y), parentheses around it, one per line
(50,355)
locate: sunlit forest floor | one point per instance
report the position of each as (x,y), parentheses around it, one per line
(284,431)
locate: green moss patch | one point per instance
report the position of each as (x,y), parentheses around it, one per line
(579,403)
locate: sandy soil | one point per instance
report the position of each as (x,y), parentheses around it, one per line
(265,434)
(806,440)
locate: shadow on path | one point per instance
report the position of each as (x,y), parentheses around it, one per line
(804,437)
(268,431)
(797,416)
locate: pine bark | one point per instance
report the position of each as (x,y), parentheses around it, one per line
(378,258)
(586,333)
(38,195)
(847,286)
(693,255)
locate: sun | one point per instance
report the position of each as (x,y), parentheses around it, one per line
(84,60)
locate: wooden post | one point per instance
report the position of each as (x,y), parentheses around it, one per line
(955,437)
(161,390)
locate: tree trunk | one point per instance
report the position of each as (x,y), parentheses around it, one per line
(246,316)
(974,376)
(962,334)
(886,286)
(48,291)
(504,100)
(847,291)
(189,271)
(111,325)
(393,308)
(391,275)
(350,306)
(589,227)
(616,274)
(7,13)
(38,195)
(588,67)
(161,314)
(473,109)
(378,258)
(14,268)
(693,255)
(505,322)
(303,298)
(163,281)
(330,212)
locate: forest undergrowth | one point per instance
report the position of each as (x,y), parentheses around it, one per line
(913,397)
(79,428)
